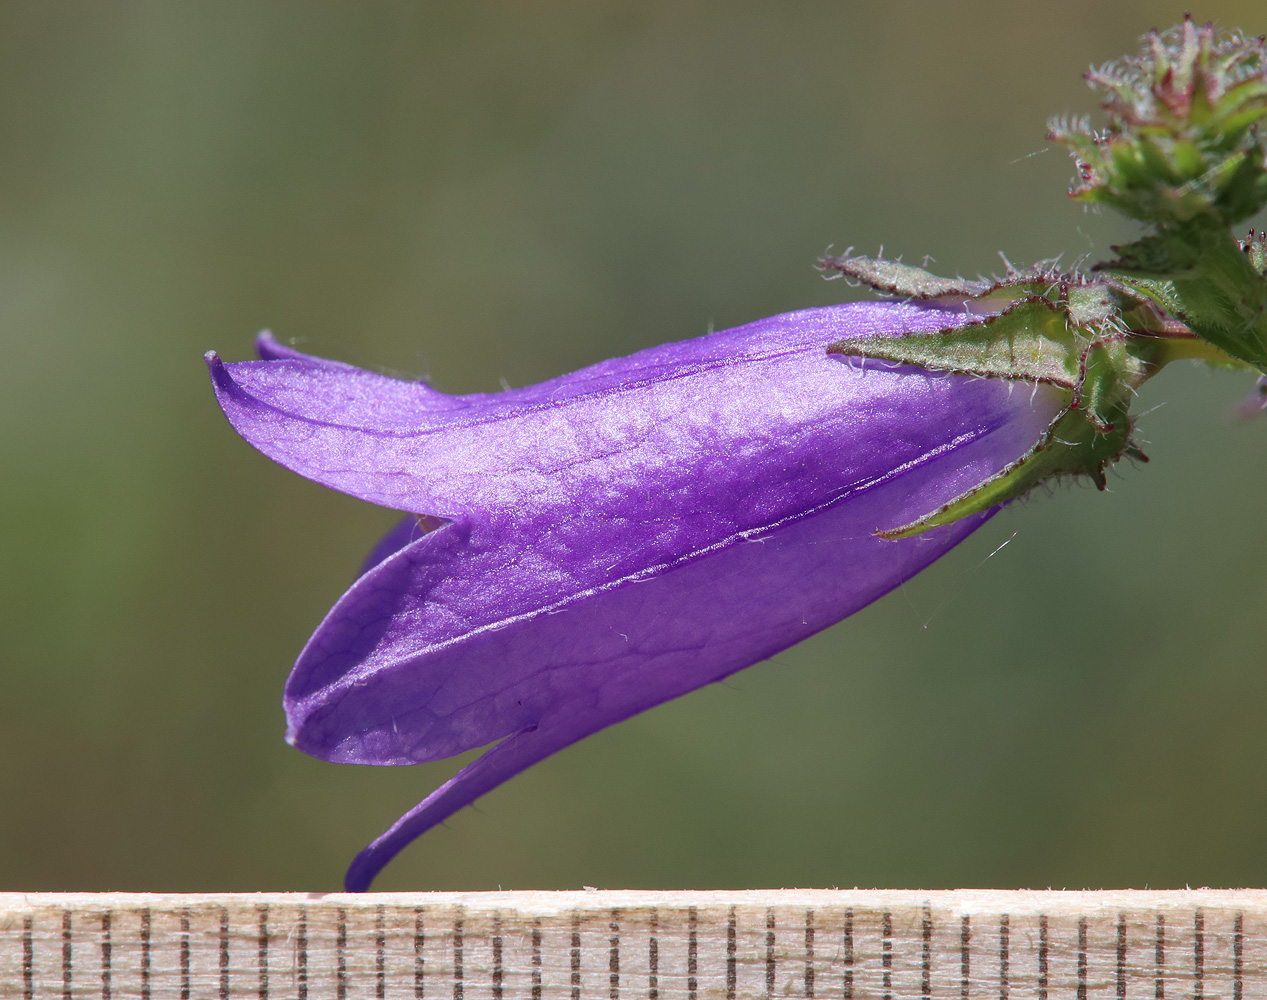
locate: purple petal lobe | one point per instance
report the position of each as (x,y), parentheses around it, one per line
(409,529)
(405,445)
(269,348)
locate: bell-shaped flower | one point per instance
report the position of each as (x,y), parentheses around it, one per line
(581,550)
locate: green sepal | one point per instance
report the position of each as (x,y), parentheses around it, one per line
(1073,445)
(1035,340)
(1158,291)
(1062,330)
(1185,150)
(1093,339)
(1107,367)
(892,277)
(1091,307)
(1030,341)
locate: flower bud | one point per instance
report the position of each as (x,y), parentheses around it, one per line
(1182,139)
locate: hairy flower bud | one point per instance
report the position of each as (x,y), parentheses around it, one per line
(1182,139)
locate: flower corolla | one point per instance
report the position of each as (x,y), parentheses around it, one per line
(578,551)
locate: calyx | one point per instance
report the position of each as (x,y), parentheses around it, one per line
(1094,339)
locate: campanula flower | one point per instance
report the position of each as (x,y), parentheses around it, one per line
(578,551)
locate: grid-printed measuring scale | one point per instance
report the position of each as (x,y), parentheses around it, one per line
(659,945)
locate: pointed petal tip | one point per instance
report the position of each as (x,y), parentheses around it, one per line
(221,380)
(269,348)
(266,345)
(512,755)
(361,872)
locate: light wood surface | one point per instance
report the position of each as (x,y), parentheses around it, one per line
(658,945)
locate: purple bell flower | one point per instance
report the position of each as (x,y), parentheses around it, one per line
(581,550)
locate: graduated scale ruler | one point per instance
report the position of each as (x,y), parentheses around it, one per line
(657,945)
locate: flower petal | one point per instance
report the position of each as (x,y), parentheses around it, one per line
(405,445)
(552,678)
(406,530)
(616,537)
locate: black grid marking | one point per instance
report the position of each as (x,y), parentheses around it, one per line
(224,954)
(847,990)
(1198,955)
(536,960)
(769,953)
(341,955)
(886,954)
(184,955)
(67,956)
(692,951)
(301,956)
(576,956)
(107,956)
(732,948)
(1082,958)
(1042,957)
(499,971)
(926,954)
(145,954)
(380,952)
(459,950)
(965,955)
(809,954)
(106,926)
(1005,933)
(653,956)
(420,961)
(613,956)
(28,959)
(1238,950)
(1121,956)
(261,949)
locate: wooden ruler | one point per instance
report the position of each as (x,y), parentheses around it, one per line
(658,945)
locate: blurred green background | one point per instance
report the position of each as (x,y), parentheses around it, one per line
(489,191)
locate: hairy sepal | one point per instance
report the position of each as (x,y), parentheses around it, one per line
(892,277)
(1062,331)
(1073,446)
(1030,342)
